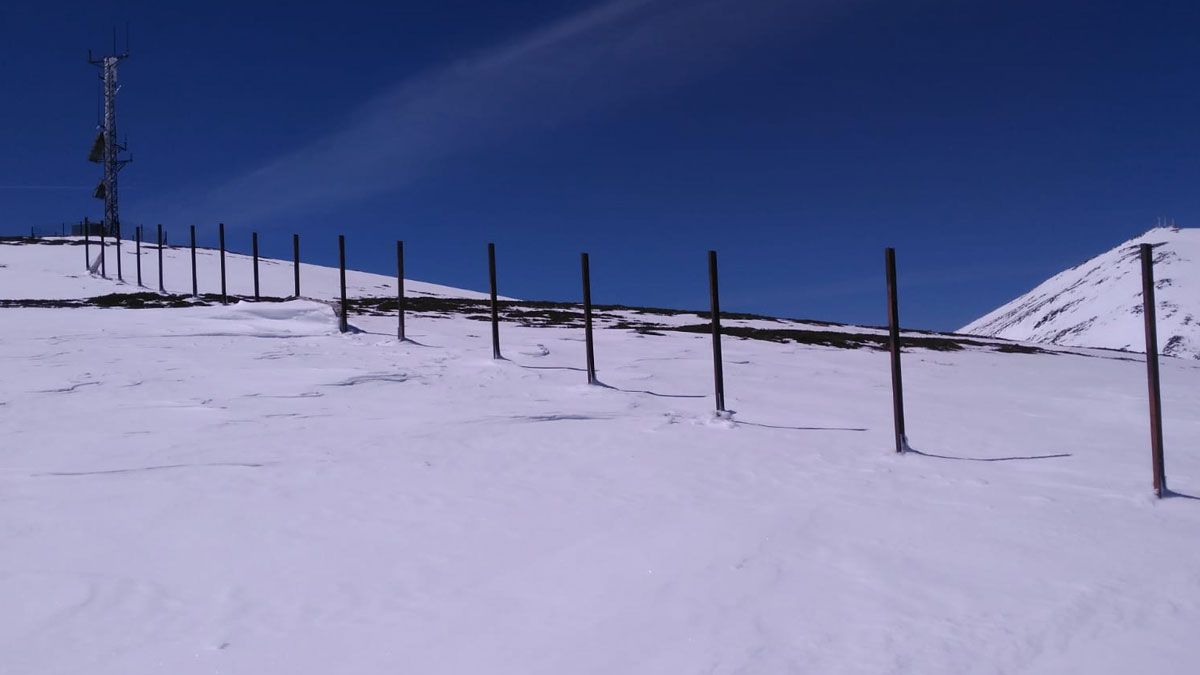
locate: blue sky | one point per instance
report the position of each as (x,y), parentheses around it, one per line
(993,143)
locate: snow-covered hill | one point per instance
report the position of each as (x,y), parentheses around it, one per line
(54,268)
(241,489)
(1099,303)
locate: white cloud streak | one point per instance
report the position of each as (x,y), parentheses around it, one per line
(613,52)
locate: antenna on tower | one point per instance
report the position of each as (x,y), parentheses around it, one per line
(107,149)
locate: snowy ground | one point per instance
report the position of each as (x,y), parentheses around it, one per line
(242,489)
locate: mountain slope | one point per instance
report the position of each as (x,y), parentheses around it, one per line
(1099,303)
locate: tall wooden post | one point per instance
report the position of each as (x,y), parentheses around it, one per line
(137,233)
(715,301)
(254,250)
(1148,313)
(195,286)
(120,277)
(400,291)
(161,287)
(894,349)
(495,307)
(344,324)
(296,261)
(587,318)
(221,236)
(103,248)
(87,245)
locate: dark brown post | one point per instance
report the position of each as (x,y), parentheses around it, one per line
(195,286)
(103,246)
(221,236)
(400,291)
(296,261)
(894,348)
(87,245)
(587,319)
(344,325)
(254,249)
(495,308)
(137,233)
(714,297)
(1148,313)
(161,288)
(118,235)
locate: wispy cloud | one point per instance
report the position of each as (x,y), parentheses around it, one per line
(610,53)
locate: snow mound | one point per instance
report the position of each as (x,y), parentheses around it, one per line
(1099,303)
(252,319)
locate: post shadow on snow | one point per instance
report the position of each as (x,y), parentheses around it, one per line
(578,370)
(598,383)
(914,451)
(1172,493)
(406,340)
(791,428)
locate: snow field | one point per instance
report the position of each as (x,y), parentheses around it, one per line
(242,489)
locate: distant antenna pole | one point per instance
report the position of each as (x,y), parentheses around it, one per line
(106,150)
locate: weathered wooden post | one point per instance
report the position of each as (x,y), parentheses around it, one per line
(344,324)
(120,277)
(1149,314)
(195,286)
(495,308)
(137,233)
(296,261)
(587,319)
(161,287)
(715,301)
(894,348)
(254,249)
(221,236)
(103,248)
(400,291)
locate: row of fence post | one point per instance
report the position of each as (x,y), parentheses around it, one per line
(893,314)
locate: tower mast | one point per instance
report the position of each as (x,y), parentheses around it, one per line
(106,150)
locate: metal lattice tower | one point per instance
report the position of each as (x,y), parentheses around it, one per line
(106,149)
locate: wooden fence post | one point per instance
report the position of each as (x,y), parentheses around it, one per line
(344,324)
(221,235)
(495,308)
(587,318)
(400,291)
(1148,313)
(894,349)
(715,301)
